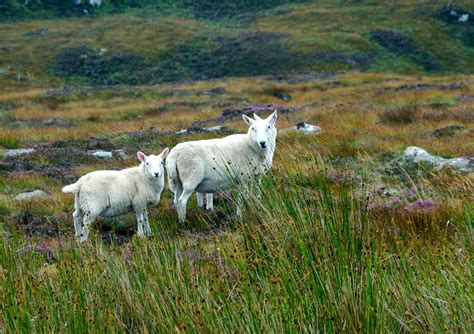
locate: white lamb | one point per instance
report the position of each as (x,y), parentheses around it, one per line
(207,166)
(109,193)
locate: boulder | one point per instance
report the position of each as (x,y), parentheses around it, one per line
(100,153)
(30,194)
(18,151)
(306,128)
(418,154)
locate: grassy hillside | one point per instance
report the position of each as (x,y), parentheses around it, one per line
(154,45)
(344,234)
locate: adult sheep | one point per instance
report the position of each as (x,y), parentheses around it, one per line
(207,166)
(109,193)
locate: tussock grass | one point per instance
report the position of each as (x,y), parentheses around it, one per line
(303,257)
(342,236)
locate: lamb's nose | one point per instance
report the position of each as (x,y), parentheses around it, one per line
(263,144)
(157,174)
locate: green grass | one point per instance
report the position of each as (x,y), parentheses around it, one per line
(344,235)
(152,46)
(322,266)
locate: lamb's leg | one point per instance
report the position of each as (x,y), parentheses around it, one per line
(239,201)
(182,202)
(200,199)
(77,215)
(209,202)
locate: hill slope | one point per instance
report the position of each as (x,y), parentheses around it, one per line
(185,42)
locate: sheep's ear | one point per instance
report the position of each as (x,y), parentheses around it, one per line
(256,117)
(247,120)
(273,118)
(141,156)
(165,152)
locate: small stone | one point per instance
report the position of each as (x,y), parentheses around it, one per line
(216,128)
(303,127)
(30,194)
(463,18)
(120,153)
(38,32)
(100,153)
(53,122)
(16,152)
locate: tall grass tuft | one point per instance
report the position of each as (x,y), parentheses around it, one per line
(307,255)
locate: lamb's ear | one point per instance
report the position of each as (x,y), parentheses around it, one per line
(141,156)
(165,152)
(273,118)
(256,117)
(247,120)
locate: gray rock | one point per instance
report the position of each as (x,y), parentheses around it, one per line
(30,194)
(216,128)
(307,129)
(53,122)
(100,153)
(418,154)
(16,152)
(38,32)
(463,18)
(120,153)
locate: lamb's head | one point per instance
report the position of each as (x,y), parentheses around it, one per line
(262,131)
(153,164)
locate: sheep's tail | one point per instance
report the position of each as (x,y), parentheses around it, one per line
(72,188)
(172,168)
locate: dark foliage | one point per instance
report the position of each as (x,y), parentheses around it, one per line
(260,53)
(403,45)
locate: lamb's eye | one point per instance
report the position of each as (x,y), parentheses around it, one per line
(147,164)
(268,127)
(254,129)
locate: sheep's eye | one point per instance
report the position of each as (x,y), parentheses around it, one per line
(268,127)
(254,129)
(147,164)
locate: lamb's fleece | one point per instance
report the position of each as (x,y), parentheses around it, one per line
(110,193)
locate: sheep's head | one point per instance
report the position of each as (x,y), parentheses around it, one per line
(153,164)
(262,131)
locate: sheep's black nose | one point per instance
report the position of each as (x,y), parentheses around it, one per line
(263,144)
(157,174)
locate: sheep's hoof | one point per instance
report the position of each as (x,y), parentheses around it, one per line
(82,239)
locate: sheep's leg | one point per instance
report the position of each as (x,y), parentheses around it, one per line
(200,199)
(239,201)
(77,215)
(146,224)
(140,224)
(77,222)
(177,193)
(209,202)
(182,202)
(88,219)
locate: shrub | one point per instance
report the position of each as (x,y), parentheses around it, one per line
(399,114)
